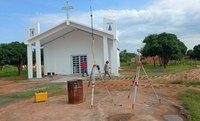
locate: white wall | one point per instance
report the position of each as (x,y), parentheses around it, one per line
(58,52)
(110,55)
(118,58)
(113,57)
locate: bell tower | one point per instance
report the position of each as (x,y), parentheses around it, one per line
(110,26)
(33,30)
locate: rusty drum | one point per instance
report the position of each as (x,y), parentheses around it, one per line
(75,91)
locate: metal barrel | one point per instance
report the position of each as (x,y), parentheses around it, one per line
(75,91)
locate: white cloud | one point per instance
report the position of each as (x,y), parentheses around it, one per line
(191,40)
(47,19)
(180,17)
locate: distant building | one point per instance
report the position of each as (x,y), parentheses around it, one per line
(146,59)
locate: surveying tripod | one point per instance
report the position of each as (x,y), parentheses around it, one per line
(92,81)
(136,80)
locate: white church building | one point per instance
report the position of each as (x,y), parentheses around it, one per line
(68,44)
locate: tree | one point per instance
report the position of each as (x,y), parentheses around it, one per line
(3,56)
(126,56)
(15,54)
(165,45)
(18,55)
(190,54)
(196,52)
(42,56)
(122,55)
(151,48)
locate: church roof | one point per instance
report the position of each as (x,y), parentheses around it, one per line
(64,29)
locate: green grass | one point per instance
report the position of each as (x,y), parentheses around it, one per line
(159,70)
(127,64)
(194,83)
(191,103)
(11,73)
(177,82)
(186,82)
(52,89)
(170,69)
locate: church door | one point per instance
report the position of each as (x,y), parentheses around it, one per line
(76,63)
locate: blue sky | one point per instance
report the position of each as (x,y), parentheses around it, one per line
(136,18)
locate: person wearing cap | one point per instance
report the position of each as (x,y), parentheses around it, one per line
(106,70)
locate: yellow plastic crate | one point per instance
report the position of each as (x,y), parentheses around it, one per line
(41,96)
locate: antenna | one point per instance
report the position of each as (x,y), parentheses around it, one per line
(92,74)
(67,8)
(93,42)
(91,20)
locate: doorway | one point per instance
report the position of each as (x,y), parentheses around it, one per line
(76,63)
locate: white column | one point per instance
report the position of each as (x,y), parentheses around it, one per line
(38,27)
(45,60)
(30,61)
(38,60)
(105,49)
(111,57)
(118,57)
(114,58)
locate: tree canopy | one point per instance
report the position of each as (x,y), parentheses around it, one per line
(165,45)
(4,59)
(196,52)
(190,54)
(126,56)
(15,54)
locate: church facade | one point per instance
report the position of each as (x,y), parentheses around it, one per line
(68,44)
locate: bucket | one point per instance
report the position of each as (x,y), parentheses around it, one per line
(75,91)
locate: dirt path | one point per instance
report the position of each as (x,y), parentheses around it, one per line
(57,109)
(10,86)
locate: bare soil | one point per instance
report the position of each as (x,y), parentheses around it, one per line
(116,107)
(10,86)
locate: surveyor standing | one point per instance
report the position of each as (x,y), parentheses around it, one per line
(106,70)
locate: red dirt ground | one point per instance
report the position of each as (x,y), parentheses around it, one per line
(57,107)
(10,86)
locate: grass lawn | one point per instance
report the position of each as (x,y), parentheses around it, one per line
(170,69)
(186,82)
(191,102)
(52,89)
(11,73)
(159,70)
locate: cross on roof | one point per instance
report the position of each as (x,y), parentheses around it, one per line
(67,8)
